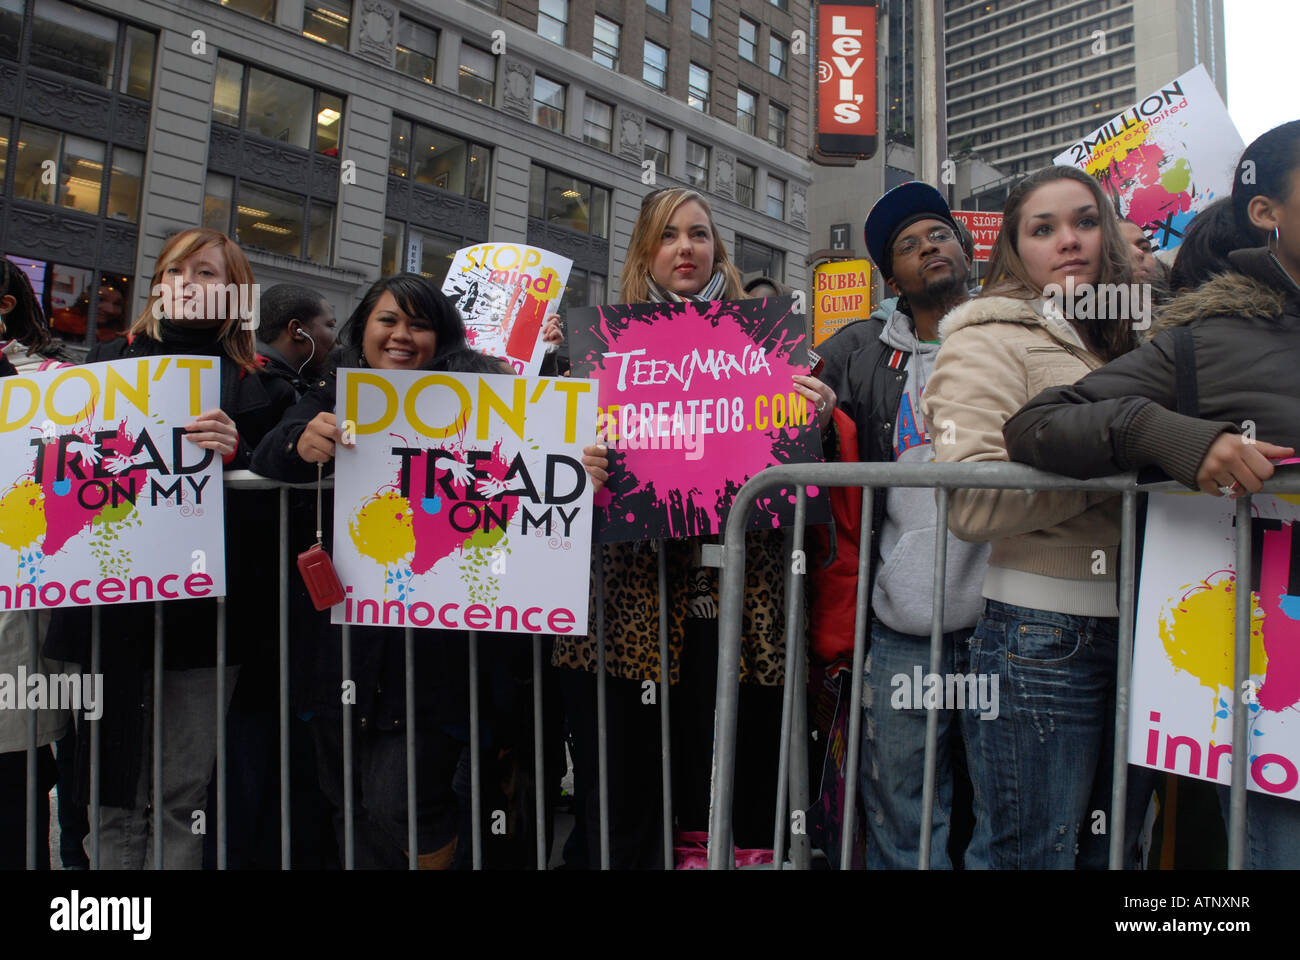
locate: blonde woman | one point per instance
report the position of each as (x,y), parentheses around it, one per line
(192,309)
(1049,627)
(676,255)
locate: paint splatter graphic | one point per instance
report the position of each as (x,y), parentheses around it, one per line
(702,399)
(409,533)
(76,482)
(1197,627)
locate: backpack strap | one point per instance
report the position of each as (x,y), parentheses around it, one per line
(1189,404)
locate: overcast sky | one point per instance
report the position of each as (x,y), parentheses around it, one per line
(1263,40)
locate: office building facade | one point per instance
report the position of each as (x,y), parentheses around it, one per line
(1027,77)
(340,139)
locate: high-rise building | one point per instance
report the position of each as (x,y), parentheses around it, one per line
(1027,77)
(340,139)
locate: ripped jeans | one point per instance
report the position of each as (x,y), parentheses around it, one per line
(1042,768)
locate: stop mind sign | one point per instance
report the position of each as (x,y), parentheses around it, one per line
(983,227)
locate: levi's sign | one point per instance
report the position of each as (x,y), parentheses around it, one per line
(846,78)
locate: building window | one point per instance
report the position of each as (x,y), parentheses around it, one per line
(585,289)
(654,67)
(775,197)
(748,42)
(478,73)
(443,160)
(604,43)
(79,173)
(262,9)
(276,221)
(415,249)
(746,110)
(655,146)
(66,292)
(417,50)
(777,55)
(137,64)
(745,178)
(276,108)
(568,202)
(776,124)
(697,165)
(75,42)
(81,45)
(698,94)
(124,185)
(326,21)
(597,123)
(548,103)
(754,259)
(659,6)
(701,16)
(552,19)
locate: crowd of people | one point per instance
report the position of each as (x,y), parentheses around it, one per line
(940,372)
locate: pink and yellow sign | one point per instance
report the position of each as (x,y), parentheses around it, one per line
(696,399)
(1184,698)
(464,504)
(103,499)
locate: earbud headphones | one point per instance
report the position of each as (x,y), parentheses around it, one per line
(301,334)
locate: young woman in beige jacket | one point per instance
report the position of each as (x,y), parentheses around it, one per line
(1049,627)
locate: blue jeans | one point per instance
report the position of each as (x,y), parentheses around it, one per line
(1272,830)
(893,752)
(1041,771)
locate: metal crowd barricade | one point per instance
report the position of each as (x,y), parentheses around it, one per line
(245,480)
(943,477)
(792,788)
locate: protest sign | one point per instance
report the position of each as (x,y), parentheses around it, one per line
(104,499)
(843,293)
(983,227)
(464,504)
(1165,158)
(1184,698)
(504,291)
(698,398)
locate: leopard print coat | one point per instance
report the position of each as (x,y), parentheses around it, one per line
(632,610)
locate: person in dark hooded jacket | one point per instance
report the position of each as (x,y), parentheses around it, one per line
(1245,331)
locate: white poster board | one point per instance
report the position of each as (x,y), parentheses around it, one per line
(1183,699)
(464,504)
(504,292)
(103,499)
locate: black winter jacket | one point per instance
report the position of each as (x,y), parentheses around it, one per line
(1246,330)
(254,403)
(868,390)
(378,653)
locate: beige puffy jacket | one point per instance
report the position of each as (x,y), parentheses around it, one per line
(998,352)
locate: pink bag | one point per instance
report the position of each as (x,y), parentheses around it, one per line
(691,852)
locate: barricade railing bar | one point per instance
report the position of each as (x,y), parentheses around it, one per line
(792,786)
(943,477)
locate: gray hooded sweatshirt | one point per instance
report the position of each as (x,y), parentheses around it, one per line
(902,597)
